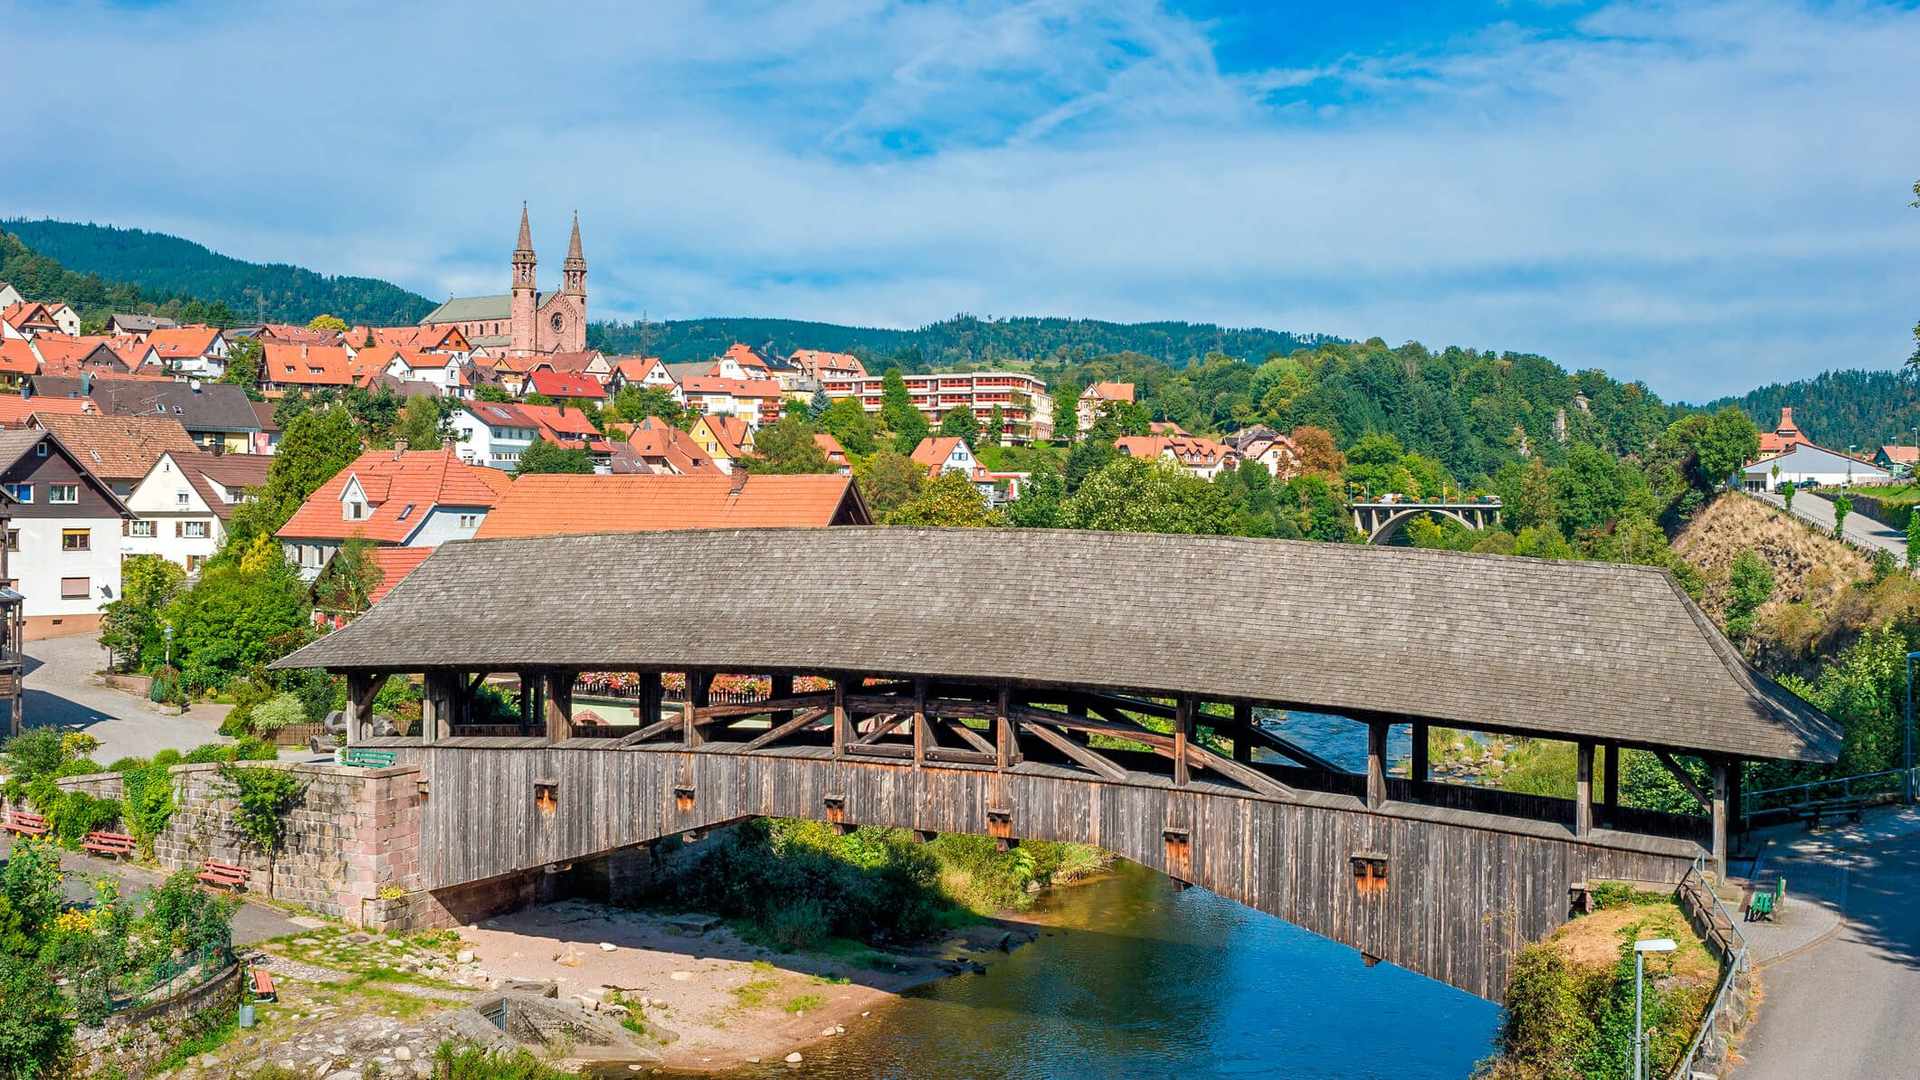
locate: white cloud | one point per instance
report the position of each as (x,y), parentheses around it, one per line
(1703,196)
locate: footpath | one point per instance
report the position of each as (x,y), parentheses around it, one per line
(1840,965)
(1862,530)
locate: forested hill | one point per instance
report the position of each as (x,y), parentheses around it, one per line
(1839,409)
(963,339)
(168,266)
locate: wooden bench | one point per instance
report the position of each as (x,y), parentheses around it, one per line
(111,845)
(1766,901)
(223,875)
(369,759)
(1816,815)
(263,986)
(25,824)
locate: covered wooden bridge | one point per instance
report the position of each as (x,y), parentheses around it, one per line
(1083,686)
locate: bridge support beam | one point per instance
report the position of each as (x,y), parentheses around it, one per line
(919,723)
(1243,732)
(439,709)
(698,682)
(841,734)
(1420,770)
(1377,763)
(559,699)
(1583,788)
(1720,771)
(650,698)
(361,690)
(1182,731)
(1610,785)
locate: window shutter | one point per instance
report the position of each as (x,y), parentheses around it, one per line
(179,530)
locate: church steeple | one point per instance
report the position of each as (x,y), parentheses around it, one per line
(523,254)
(575,266)
(523,333)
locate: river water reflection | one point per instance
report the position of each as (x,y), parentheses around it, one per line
(1134,979)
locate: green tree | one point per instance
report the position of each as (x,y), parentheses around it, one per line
(1750,585)
(1038,506)
(787,446)
(1842,506)
(243,366)
(959,422)
(1130,495)
(1587,490)
(1913,541)
(240,613)
(817,405)
(541,456)
(996,431)
(1373,463)
(847,420)
(131,627)
(1543,542)
(888,480)
(493,392)
(1310,509)
(1786,495)
(350,577)
(327,322)
(315,446)
(634,403)
(898,414)
(422,424)
(950,501)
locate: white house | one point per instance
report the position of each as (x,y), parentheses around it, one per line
(1804,465)
(443,371)
(391,498)
(65,317)
(9,295)
(62,535)
(182,505)
(194,351)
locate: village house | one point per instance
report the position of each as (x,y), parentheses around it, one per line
(950,454)
(756,402)
(16,409)
(118,450)
(63,316)
(9,295)
(821,366)
(836,454)
(193,351)
(495,434)
(559,504)
(1193,455)
(1026,409)
(1787,456)
(180,508)
(139,326)
(1097,396)
(18,362)
(575,387)
(217,416)
(642,371)
(655,446)
(27,319)
(62,536)
(399,498)
(1896,459)
(286,366)
(726,439)
(1268,447)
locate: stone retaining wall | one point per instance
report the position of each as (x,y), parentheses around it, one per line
(355,833)
(127,1044)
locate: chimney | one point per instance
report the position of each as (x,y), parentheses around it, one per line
(737,481)
(399,449)
(1786,418)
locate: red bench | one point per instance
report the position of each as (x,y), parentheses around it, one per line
(19,821)
(112,845)
(263,986)
(223,875)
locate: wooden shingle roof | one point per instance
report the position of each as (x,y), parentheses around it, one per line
(1568,649)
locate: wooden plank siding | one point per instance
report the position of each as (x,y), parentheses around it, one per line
(1465,890)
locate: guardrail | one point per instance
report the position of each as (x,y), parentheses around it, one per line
(1724,932)
(1884,785)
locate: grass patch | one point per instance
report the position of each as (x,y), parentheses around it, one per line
(464,1061)
(800,1003)
(753,993)
(206,1042)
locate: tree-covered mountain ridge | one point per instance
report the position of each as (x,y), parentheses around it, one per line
(1840,409)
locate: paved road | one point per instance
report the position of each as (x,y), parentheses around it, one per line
(1844,1005)
(1861,529)
(62,690)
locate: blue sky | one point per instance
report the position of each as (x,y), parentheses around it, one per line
(1705,196)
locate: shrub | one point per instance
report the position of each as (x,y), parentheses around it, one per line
(146,800)
(36,1036)
(168,687)
(29,755)
(74,814)
(282,710)
(465,1061)
(167,758)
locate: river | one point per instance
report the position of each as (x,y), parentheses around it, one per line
(1134,979)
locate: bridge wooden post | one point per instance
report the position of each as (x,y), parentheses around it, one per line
(1610,783)
(437,716)
(650,698)
(1243,732)
(559,695)
(1420,769)
(840,738)
(696,696)
(1377,763)
(361,690)
(1583,788)
(1005,735)
(919,722)
(780,686)
(1719,766)
(1182,731)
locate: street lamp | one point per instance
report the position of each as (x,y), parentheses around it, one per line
(1640,951)
(167,633)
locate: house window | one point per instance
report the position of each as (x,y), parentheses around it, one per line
(63,493)
(21,492)
(190,530)
(195,562)
(76,539)
(180,498)
(75,588)
(40,450)
(139,528)
(469,521)
(13,539)
(356,511)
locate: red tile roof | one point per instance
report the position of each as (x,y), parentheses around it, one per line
(830,446)
(183,342)
(15,409)
(16,357)
(402,488)
(659,443)
(117,447)
(740,388)
(815,361)
(565,384)
(297,335)
(566,504)
(634,368)
(934,450)
(745,357)
(730,432)
(395,564)
(294,364)
(1110,391)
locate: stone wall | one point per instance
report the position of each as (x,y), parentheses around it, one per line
(355,833)
(127,1044)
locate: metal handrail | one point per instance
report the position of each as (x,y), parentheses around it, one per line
(1749,804)
(1734,965)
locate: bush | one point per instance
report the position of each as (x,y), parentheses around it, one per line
(146,800)
(74,814)
(36,1036)
(282,710)
(464,1061)
(168,687)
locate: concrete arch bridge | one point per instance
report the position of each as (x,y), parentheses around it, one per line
(1080,686)
(1380,521)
